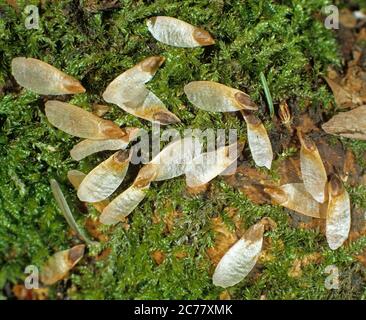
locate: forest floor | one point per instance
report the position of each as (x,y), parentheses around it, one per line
(168,247)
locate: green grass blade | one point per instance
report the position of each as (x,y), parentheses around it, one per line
(65,209)
(267,93)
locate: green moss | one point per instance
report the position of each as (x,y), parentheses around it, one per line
(282,39)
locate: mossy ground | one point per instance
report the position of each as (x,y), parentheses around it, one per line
(284,39)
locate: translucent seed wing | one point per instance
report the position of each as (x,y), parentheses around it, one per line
(76,177)
(128,200)
(300,200)
(129,87)
(178,33)
(209,165)
(216,97)
(81,123)
(351,124)
(338,221)
(142,103)
(123,205)
(240,259)
(313,171)
(171,162)
(43,78)
(151,109)
(294,196)
(88,147)
(259,143)
(58,266)
(104,179)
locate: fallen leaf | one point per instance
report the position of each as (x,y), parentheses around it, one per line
(362,258)
(297,266)
(225,295)
(22,293)
(290,171)
(224,239)
(92,226)
(197,190)
(351,124)
(251,182)
(170,220)
(351,170)
(347,19)
(158,257)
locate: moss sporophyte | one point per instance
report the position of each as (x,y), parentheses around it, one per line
(182,85)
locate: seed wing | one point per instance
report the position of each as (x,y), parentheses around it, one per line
(313,172)
(123,205)
(88,147)
(215,97)
(173,159)
(151,109)
(58,266)
(259,144)
(81,123)
(104,179)
(207,166)
(338,222)
(76,177)
(43,78)
(240,259)
(294,196)
(178,33)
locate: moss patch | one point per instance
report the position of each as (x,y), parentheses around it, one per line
(286,40)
